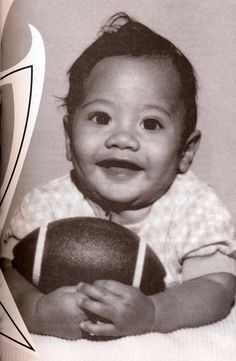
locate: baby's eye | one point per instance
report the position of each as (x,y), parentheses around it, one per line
(151,124)
(100,118)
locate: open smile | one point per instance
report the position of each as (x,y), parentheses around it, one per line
(119,167)
(119,163)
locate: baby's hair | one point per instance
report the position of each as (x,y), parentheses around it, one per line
(123,36)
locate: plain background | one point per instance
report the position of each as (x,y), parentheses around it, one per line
(204,30)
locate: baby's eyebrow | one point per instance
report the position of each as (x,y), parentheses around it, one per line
(104,101)
(157,107)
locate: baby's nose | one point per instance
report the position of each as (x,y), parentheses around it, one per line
(122,139)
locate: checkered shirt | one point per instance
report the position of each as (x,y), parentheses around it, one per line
(189,228)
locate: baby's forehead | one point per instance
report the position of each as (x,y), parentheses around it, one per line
(147,67)
(150,79)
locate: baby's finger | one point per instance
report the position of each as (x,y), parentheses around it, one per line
(99,329)
(97,293)
(80,296)
(97,308)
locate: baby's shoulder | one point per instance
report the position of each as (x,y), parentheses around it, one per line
(54,186)
(55,198)
(194,196)
(56,189)
(187,195)
(189,188)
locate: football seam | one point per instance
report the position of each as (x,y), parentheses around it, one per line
(138,270)
(39,254)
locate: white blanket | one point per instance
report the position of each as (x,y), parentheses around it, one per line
(216,342)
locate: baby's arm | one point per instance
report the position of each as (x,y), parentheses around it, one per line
(196,302)
(55,314)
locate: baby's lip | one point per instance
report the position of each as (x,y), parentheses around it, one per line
(119,163)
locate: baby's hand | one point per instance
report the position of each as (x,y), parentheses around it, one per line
(128,309)
(58,313)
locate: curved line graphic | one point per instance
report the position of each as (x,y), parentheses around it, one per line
(25,127)
(27,79)
(18,329)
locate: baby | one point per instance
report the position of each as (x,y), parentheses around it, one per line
(131,137)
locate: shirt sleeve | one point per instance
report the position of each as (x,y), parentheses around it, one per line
(33,211)
(199,266)
(205,236)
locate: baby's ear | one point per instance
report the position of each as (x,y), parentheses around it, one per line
(189,151)
(67,125)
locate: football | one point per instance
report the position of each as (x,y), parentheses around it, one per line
(85,249)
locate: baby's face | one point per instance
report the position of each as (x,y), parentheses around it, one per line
(126,133)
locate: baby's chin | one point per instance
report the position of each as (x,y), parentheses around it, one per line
(118,203)
(110,199)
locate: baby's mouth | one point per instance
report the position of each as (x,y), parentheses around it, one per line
(119,168)
(119,163)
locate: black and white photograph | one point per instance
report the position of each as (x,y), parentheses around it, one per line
(118,175)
